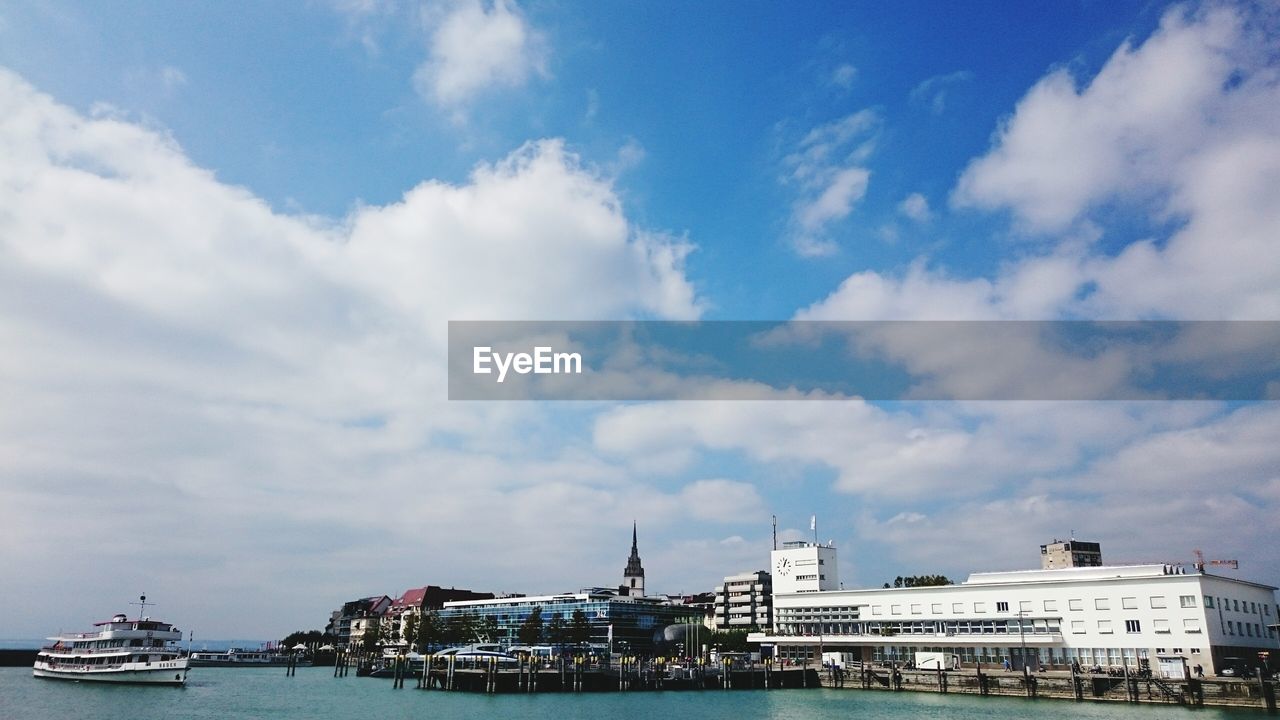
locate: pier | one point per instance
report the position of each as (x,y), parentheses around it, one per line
(1255,692)
(630,675)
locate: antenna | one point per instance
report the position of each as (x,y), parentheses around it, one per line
(142,605)
(775,532)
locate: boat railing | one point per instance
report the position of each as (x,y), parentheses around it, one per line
(123,650)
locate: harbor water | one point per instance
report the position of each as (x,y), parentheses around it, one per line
(314,694)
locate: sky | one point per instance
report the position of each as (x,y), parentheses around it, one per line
(232,236)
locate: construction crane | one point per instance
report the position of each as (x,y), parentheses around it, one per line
(1201,562)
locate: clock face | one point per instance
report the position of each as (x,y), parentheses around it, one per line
(784,566)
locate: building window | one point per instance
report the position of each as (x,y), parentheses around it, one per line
(957,607)
(1051,606)
(1208,601)
(1191,626)
(1002,607)
(1132,626)
(979,607)
(1024,606)
(1129,603)
(1158,602)
(1075,604)
(877,609)
(917,609)
(1187,601)
(1160,626)
(1077,627)
(895,609)
(1104,626)
(936,608)
(1101,604)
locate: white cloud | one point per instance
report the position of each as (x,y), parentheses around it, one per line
(843,76)
(1177,131)
(932,92)
(267,389)
(916,207)
(1129,130)
(827,167)
(476,47)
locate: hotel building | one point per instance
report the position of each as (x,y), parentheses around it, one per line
(744,601)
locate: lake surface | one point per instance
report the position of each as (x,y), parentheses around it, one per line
(221,693)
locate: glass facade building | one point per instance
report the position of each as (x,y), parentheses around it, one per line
(637,623)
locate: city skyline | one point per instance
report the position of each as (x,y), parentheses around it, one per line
(232,238)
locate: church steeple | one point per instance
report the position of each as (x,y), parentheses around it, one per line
(633,576)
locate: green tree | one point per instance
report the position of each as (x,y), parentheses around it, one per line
(920,581)
(460,629)
(430,631)
(731,640)
(372,637)
(487,630)
(579,628)
(556,632)
(409,629)
(530,631)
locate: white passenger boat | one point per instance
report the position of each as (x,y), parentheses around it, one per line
(120,651)
(237,657)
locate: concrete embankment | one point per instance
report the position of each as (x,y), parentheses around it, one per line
(1230,692)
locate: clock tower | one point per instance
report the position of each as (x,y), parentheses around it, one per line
(804,567)
(633,576)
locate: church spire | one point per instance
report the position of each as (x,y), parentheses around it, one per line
(633,575)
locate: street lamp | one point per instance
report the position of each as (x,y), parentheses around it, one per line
(1022,639)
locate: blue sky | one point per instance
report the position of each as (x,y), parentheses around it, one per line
(231,236)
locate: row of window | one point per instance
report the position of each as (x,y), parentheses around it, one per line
(1245,629)
(1237,605)
(1189,625)
(1157,602)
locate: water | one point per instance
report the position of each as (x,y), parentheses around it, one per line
(222,693)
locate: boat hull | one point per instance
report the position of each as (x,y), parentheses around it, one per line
(176,675)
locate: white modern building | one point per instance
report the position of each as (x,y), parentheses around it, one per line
(803,567)
(1103,616)
(744,601)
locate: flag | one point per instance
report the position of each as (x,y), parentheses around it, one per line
(813,522)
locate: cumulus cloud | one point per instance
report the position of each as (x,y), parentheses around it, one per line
(476,46)
(1176,131)
(827,168)
(916,207)
(267,389)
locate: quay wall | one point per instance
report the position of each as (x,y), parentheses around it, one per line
(1221,692)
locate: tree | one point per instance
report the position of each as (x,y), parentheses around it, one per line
(579,628)
(920,581)
(459,630)
(556,631)
(409,629)
(430,631)
(310,638)
(730,640)
(372,637)
(530,631)
(487,630)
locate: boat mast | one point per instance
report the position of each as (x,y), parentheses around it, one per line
(142,605)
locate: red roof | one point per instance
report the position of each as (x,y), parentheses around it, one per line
(410,598)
